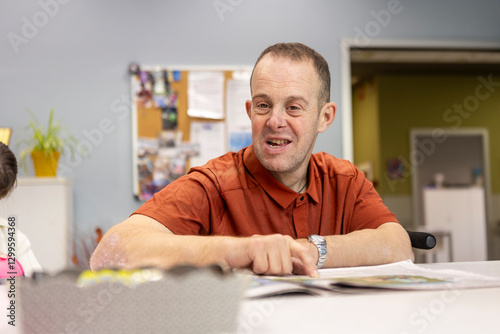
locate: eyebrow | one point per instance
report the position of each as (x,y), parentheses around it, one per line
(260,96)
(290,98)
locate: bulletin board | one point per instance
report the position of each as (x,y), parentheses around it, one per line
(182,116)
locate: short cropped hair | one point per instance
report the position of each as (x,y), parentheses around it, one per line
(8,170)
(300,52)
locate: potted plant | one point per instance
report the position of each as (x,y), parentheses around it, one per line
(45,145)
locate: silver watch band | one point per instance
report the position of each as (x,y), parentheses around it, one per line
(320,243)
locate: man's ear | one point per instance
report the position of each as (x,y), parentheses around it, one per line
(248,105)
(327,115)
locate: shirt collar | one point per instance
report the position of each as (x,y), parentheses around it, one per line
(283,195)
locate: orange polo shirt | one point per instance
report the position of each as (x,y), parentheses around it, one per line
(234,195)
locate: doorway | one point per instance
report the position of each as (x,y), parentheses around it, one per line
(451,187)
(404,58)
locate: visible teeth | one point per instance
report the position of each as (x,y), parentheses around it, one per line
(277,141)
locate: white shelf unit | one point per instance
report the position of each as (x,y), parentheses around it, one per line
(462,212)
(44,210)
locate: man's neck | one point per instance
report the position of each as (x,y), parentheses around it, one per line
(295,181)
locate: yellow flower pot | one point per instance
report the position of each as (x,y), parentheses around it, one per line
(45,164)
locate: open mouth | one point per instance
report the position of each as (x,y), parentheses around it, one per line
(277,143)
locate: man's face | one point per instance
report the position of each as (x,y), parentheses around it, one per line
(284,114)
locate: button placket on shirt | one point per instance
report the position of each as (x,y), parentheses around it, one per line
(299,216)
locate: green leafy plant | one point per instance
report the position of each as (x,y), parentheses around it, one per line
(53,138)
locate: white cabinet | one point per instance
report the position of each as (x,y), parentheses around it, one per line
(462,212)
(44,210)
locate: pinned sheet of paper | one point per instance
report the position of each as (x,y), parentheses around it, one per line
(211,138)
(206,94)
(238,123)
(238,92)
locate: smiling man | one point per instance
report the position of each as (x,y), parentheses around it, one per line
(273,207)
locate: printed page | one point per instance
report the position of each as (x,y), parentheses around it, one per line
(206,94)
(259,287)
(403,275)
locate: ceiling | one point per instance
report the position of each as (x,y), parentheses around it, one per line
(370,62)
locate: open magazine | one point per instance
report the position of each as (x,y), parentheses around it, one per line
(404,275)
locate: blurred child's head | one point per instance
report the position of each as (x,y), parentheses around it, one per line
(8,170)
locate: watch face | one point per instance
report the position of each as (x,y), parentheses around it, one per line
(316,238)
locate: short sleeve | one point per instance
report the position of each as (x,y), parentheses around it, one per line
(183,206)
(369,211)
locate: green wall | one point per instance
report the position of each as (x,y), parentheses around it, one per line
(366,132)
(445,102)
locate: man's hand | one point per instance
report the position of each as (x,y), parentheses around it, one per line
(271,255)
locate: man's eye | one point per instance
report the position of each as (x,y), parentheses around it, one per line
(294,109)
(262,108)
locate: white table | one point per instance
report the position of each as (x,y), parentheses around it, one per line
(399,312)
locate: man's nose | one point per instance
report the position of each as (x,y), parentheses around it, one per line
(277,119)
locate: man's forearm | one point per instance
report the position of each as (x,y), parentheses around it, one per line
(386,244)
(141,241)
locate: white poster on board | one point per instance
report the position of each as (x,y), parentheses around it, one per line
(206,94)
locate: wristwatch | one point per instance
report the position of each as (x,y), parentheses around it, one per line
(320,242)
